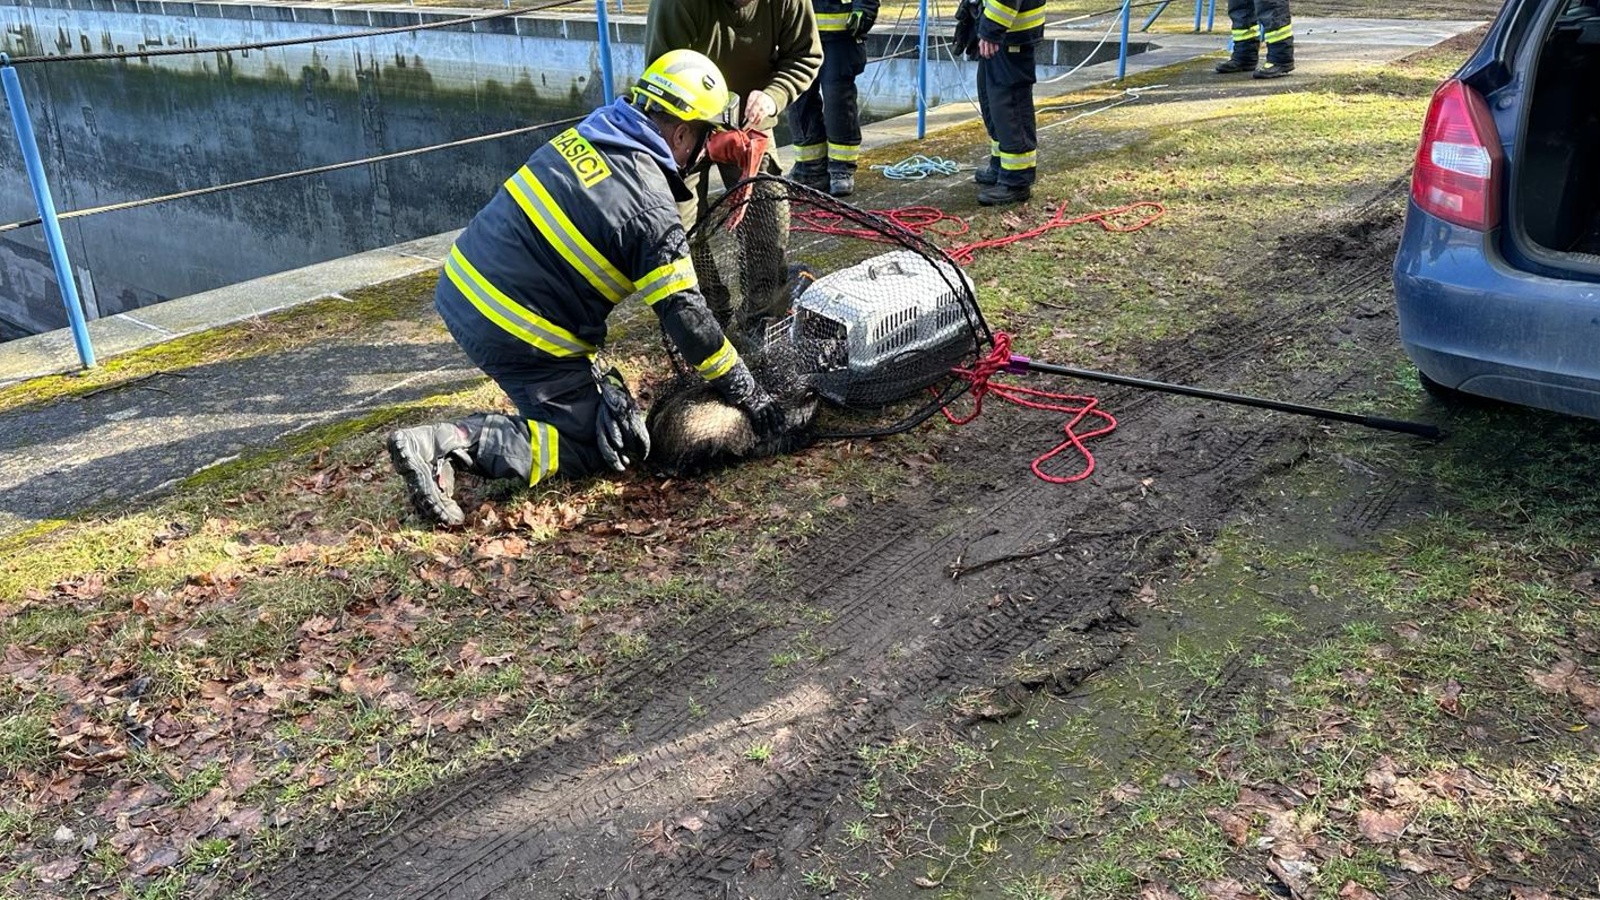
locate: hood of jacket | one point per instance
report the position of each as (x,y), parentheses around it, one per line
(622,126)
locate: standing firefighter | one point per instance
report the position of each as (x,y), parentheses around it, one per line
(1250,17)
(588,221)
(770,52)
(825,121)
(1007,37)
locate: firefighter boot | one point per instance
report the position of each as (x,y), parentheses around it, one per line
(1245,54)
(811,177)
(842,184)
(1003,194)
(424,458)
(1280,60)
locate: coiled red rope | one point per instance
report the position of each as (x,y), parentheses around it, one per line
(1078,406)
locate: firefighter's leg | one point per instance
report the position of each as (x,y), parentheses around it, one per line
(1011,80)
(763,253)
(807,122)
(842,61)
(1275,21)
(1246,41)
(990,173)
(559,404)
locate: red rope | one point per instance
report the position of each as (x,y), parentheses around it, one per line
(926,220)
(1078,406)
(915,219)
(1153,211)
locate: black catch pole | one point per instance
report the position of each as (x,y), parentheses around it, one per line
(1021,365)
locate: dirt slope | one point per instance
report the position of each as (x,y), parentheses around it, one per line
(646,801)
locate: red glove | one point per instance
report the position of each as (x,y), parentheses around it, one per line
(744,148)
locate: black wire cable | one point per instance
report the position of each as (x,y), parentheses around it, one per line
(268,179)
(288,42)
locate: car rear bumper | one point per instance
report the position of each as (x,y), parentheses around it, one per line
(1472,322)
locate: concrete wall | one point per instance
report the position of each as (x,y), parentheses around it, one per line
(118,131)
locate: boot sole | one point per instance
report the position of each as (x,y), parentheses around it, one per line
(1005,202)
(419,484)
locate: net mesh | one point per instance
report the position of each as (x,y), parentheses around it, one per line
(851,322)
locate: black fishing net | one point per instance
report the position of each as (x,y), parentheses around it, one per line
(851,322)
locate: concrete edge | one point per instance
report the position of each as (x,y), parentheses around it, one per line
(53,352)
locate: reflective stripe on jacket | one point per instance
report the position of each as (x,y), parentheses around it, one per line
(833,17)
(587,222)
(1012,21)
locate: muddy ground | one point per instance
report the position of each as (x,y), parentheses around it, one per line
(646,801)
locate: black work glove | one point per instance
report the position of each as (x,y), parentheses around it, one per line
(620,427)
(766,416)
(739,388)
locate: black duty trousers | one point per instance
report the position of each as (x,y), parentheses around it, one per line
(1005,98)
(557,400)
(824,118)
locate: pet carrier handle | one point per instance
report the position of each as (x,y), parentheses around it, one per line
(1021,365)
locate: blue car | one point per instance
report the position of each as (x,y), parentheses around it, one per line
(1497,279)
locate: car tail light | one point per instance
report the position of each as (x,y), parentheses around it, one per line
(1459,160)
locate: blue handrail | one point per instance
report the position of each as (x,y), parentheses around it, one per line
(1122,51)
(21,121)
(604,25)
(922,69)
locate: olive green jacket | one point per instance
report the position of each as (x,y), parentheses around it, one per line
(766,45)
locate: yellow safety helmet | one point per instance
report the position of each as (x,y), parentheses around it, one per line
(689,86)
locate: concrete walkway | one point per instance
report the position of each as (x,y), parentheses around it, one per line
(120,444)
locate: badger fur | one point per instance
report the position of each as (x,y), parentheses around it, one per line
(693,430)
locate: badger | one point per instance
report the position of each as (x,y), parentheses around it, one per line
(693,430)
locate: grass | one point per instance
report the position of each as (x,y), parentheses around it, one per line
(285,598)
(360,659)
(1314,687)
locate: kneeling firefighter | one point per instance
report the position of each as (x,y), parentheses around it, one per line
(588,221)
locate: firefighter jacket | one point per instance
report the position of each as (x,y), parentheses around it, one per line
(764,45)
(587,222)
(1010,25)
(845,19)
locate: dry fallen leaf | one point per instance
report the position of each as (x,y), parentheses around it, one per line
(1235,827)
(1227,889)
(1381,827)
(57,870)
(1354,891)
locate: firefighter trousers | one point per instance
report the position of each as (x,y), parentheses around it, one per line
(557,400)
(1005,98)
(824,118)
(1269,16)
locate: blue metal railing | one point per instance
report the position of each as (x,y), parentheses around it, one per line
(23,123)
(49,219)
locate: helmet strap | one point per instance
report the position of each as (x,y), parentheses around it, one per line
(699,153)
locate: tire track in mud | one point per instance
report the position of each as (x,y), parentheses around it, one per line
(686,815)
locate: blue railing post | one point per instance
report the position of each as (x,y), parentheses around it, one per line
(1199,5)
(1211,15)
(47,209)
(603,22)
(1151,19)
(1122,53)
(922,69)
